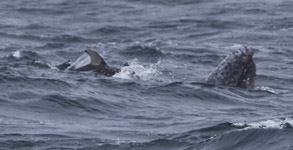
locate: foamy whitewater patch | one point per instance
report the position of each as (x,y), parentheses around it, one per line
(16,54)
(274,123)
(267,89)
(138,71)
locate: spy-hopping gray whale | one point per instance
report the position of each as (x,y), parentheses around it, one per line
(237,70)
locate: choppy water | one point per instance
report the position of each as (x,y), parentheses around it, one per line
(171,46)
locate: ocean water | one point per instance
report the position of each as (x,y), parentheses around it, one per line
(160,101)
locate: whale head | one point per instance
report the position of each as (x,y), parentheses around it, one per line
(237,70)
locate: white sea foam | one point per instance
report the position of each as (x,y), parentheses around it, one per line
(16,54)
(136,70)
(272,123)
(267,89)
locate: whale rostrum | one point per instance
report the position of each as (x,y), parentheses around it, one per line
(237,70)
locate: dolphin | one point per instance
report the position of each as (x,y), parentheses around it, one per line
(90,61)
(236,70)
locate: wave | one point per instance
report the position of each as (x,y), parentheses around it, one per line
(114,30)
(257,135)
(144,53)
(144,50)
(267,124)
(48,38)
(85,107)
(34,82)
(23,54)
(274,83)
(218,137)
(170,2)
(42,11)
(53,45)
(29,58)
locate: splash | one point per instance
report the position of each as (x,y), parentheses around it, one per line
(138,71)
(16,54)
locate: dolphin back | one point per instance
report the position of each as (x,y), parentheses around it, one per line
(96,59)
(97,64)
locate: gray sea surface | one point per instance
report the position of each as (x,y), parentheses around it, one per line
(160,101)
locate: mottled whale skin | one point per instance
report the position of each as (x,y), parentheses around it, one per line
(90,61)
(236,70)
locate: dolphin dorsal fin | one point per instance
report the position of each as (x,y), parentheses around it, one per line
(96,59)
